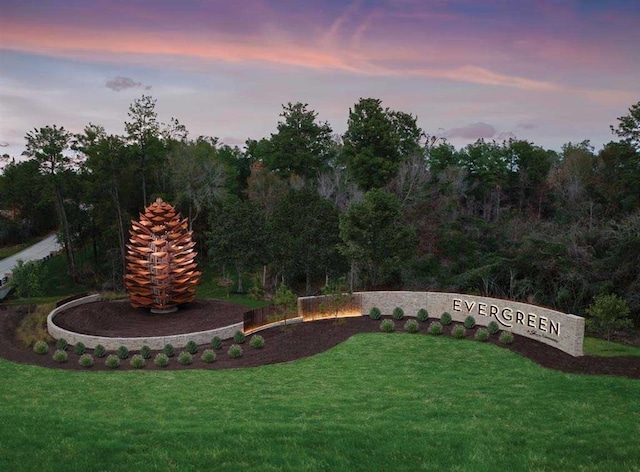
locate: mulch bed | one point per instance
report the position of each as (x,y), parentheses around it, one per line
(283,344)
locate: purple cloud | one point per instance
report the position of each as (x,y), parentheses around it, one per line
(123,83)
(472,131)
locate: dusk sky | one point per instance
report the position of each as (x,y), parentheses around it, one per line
(543,70)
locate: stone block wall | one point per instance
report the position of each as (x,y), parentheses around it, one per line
(560,330)
(154,342)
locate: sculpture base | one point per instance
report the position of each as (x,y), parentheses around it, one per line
(160,311)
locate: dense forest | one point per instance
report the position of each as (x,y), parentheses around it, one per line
(382,206)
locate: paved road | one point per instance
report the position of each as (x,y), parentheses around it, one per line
(32,253)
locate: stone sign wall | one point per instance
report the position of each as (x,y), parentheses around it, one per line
(557,329)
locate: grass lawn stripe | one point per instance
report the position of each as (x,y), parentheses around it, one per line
(375,402)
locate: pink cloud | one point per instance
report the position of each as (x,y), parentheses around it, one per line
(472,131)
(437,40)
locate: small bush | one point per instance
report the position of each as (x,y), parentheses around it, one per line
(192,347)
(112,361)
(137,361)
(375,313)
(435,328)
(238,337)
(62,344)
(458,331)
(79,348)
(493,327)
(86,360)
(469,322)
(33,327)
(398,313)
(40,347)
(216,343)
(411,326)
(481,335)
(257,341)
(60,356)
(506,337)
(387,326)
(445,319)
(235,351)
(185,358)
(208,356)
(168,350)
(161,360)
(423,315)
(122,352)
(99,351)
(145,352)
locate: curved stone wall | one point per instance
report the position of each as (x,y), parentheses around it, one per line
(560,330)
(112,343)
(557,329)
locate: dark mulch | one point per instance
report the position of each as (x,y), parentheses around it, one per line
(283,344)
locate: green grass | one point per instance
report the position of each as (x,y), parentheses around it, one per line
(209,288)
(600,347)
(376,402)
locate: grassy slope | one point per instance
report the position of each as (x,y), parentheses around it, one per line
(376,402)
(600,347)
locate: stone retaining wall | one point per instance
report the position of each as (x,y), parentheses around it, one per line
(154,342)
(560,330)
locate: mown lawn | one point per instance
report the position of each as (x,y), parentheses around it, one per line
(602,348)
(376,402)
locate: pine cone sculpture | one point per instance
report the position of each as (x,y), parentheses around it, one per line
(161,271)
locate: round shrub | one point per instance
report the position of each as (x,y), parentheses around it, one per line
(235,351)
(192,347)
(122,352)
(238,337)
(137,361)
(60,356)
(435,328)
(458,331)
(375,313)
(493,327)
(112,361)
(145,352)
(79,348)
(257,341)
(62,344)
(168,350)
(481,335)
(185,358)
(423,315)
(387,326)
(208,356)
(40,347)
(445,319)
(411,326)
(469,322)
(99,351)
(506,337)
(86,360)
(161,360)
(216,342)
(398,313)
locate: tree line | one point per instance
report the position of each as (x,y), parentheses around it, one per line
(383,205)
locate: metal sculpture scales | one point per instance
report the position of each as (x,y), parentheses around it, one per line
(161,268)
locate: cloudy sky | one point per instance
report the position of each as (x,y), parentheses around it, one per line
(549,71)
